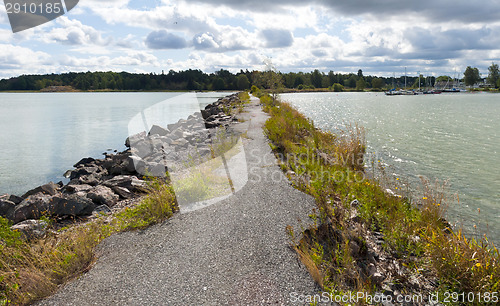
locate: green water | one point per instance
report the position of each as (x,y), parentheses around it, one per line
(454,137)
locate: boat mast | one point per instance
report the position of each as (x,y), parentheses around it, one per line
(418,80)
(405,78)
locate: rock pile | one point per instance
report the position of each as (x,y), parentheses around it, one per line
(99,184)
(187,142)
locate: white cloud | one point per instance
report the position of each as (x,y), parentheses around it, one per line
(108,63)
(3,13)
(226,39)
(289,18)
(205,41)
(5,35)
(73,32)
(15,60)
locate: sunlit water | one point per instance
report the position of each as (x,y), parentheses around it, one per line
(453,137)
(43,134)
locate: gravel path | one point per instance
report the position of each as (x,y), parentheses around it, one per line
(234,252)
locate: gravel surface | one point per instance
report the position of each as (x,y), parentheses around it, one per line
(234,252)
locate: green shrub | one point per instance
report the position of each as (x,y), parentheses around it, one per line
(337,87)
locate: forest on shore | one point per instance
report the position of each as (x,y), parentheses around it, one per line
(199,80)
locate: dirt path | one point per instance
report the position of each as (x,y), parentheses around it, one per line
(234,252)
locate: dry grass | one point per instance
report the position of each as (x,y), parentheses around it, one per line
(31,270)
(350,146)
(463,264)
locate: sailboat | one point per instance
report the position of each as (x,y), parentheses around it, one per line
(394,92)
(456,86)
(429,90)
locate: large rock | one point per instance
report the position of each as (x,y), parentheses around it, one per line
(31,208)
(13,198)
(160,142)
(84,162)
(84,171)
(130,182)
(31,229)
(158,130)
(72,205)
(176,134)
(123,192)
(92,179)
(37,205)
(212,118)
(205,114)
(212,124)
(49,189)
(103,195)
(142,148)
(136,164)
(117,164)
(155,169)
(6,207)
(172,126)
(77,188)
(131,140)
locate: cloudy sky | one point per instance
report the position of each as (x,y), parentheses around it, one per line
(381,37)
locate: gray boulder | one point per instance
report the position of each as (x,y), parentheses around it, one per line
(74,174)
(31,229)
(176,134)
(142,148)
(13,198)
(131,140)
(123,192)
(103,195)
(212,124)
(205,114)
(92,179)
(77,188)
(180,144)
(6,207)
(172,126)
(130,182)
(31,208)
(72,205)
(84,162)
(37,205)
(49,189)
(155,169)
(138,164)
(158,130)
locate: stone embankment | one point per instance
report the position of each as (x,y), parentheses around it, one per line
(98,185)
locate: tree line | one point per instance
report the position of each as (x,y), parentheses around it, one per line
(193,80)
(219,80)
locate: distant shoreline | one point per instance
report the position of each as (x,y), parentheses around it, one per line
(284,91)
